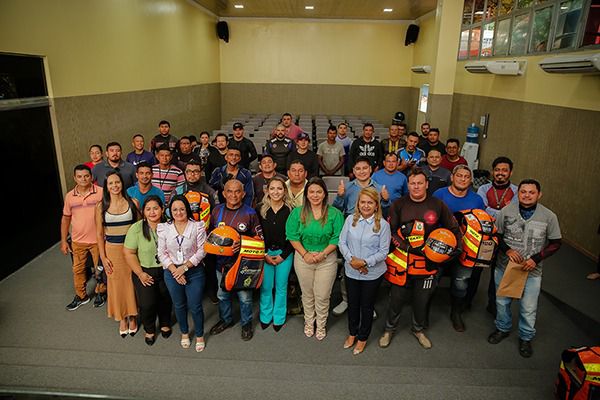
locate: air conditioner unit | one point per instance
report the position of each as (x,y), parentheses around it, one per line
(421,69)
(498,67)
(586,63)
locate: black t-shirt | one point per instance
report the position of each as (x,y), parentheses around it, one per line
(426,146)
(215,160)
(308,159)
(372,150)
(247,148)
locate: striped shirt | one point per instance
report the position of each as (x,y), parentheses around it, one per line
(117,225)
(167,180)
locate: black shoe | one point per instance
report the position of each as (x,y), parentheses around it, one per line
(150,340)
(220,327)
(497,336)
(77,302)
(264,326)
(213,299)
(455,315)
(166,334)
(100,300)
(525,349)
(247,332)
(277,328)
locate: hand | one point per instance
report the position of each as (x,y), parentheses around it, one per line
(515,256)
(269,260)
(64,248)
(178,272)
(357,263)
(384,193)
(181,280)
(341,189)
(309,258)
(363,270)
(277,260)
(108,265)
(236,246)
(146,279)
(529,265)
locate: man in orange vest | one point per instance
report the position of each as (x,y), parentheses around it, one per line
(412,218)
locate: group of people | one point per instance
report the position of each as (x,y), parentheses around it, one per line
(144,224)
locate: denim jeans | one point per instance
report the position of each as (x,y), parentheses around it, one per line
(225,303)
(460,280)
(527,307)
(273,306)
(188,297)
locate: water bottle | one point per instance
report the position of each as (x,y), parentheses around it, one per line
(473,133)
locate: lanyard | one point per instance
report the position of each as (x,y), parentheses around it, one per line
(501,199)
(221,216)
(160,179)
(179,242)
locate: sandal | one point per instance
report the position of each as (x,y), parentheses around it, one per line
(321,333)
(349,341)
(309,329)
(200,345)
(185,342)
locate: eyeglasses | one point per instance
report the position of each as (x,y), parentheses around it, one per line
(193,171)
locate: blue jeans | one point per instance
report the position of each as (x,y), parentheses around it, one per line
(225,303)
(188,297)
(274,308)
(527,307)
(460,280)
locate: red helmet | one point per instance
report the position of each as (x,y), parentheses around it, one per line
(439,245)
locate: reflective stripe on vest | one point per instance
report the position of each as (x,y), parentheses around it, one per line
(252,248)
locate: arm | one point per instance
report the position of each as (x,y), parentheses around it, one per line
(482,193)
(134,264)
(100,239)
(65,222)
(306,255)
(384,246)
(394,225)
(200,239)
(343,242)
(551,248)
(340,163)
(322,165)
(252,150)
(249,190)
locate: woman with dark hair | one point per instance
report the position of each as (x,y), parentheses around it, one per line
(203,149)
(313,230)
(180,251)
(141,255)
(95,156)
(114,215)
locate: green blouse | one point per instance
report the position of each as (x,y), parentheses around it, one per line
(146,249)
(313,236)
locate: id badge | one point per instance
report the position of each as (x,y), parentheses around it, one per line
(486,252)
(179,257)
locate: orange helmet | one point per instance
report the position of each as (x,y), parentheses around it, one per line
(480,221)
(220,241)
(413,232)
(439,245)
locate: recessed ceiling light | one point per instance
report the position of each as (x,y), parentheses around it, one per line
(388,9)
(478,12)
(239,6)
(309,7)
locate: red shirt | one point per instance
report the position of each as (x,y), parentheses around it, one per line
(449,165)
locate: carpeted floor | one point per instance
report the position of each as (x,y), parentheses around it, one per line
(44,348)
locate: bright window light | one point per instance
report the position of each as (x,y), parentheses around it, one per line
(239,6)
(388,9)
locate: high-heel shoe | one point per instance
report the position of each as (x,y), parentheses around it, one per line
(132,332)
(166,334)
(150,340)
(349,342)
(277,328)
(264,326)
(124,333)
(360,347)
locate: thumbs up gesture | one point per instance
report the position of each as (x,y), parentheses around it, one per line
(341,188)
(384,193)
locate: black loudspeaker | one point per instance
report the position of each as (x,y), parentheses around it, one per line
(412,33)
(223,31)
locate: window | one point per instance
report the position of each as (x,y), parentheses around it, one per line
(541,29)
(502,35)
(478,10)
(566,24)
(463,52)
(491,9)
(518,38)
(474,43)
(506,6)
(487,40)
(591,35)
(468,12)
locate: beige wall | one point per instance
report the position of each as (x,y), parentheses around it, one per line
(424,49)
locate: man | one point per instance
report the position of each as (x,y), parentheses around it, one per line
(232,170)
(529,233)
(500,192)
(437,176)
(163,137)
(165,176)
(79,214)
(305,155)
(346,142)
(244,220)
(291,129)
(114,163)
(331,154)
(296,182)
(433,142)
(394,180)
(425,127)
(366,146)
(260,181)
(243,144)
(139,154)
(185,154)
(458,197)
(216,155)
(144,187)
(280,148)
(411,155)
(395,141)
(451,159)
(427,213)
(345,201)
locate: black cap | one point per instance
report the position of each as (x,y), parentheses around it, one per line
(303,135)
(238,125)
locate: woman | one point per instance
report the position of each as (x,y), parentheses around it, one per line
(180,251)
(273,213)
(114,215)
(364,244)
(313,230)
(141,255)
(95,155)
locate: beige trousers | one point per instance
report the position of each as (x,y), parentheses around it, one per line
(316,282)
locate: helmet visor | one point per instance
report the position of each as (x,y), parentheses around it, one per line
(218,240)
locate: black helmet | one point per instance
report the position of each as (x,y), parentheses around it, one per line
(399,117)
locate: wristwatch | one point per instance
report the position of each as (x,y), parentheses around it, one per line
(185,268)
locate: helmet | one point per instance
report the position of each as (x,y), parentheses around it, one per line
(480,221)
(399,117)
(413,232)
(220,241)
(439,245)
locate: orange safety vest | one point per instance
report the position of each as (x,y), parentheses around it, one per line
(401,263)
(200,206)
(479,239)
(579,374)
(247,272)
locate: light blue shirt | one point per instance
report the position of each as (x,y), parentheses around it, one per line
(134,193)
(361,242)
(347,202)
(395,183)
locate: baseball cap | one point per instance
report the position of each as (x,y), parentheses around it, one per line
(303,135)
(238,125)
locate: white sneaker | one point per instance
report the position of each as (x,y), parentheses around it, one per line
(340,308)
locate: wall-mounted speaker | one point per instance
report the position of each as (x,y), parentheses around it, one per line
(223,31)
(412,33)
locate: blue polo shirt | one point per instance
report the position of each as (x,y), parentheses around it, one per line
(455,204)
(134,193)
(395,183)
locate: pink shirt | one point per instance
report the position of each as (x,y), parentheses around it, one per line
(174,248)
(82,210)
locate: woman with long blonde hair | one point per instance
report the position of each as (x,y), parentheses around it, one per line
(273,213)
(364,244)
